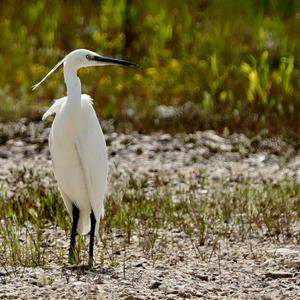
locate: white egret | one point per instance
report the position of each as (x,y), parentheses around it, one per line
(78,148)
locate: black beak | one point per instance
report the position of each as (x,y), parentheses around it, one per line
(114,61)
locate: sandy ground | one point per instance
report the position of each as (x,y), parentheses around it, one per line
(257,268)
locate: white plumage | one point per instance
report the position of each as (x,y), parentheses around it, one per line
(78,149)
(79,159)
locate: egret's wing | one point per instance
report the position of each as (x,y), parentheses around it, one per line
(92,154)
(55,107)
(67,201)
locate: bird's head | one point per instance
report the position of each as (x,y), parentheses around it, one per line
(83,58)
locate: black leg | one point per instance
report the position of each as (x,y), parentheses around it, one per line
(73,234)
(92,237)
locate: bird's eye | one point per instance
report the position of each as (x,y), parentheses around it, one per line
(88,57)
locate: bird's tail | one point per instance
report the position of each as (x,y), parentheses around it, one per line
(84,222)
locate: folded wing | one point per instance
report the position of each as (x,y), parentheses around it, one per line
(91,149)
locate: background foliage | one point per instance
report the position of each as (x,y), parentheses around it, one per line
(203,63)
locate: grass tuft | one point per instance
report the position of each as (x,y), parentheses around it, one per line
(149,217)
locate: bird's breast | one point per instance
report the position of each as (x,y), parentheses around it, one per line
(66,125)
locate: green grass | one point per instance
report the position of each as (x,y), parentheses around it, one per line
(144,216)
(234,62)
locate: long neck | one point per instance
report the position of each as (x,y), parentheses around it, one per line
(73,85)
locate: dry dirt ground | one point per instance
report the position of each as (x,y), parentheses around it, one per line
(256,268)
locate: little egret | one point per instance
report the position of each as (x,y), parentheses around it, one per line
(78,148)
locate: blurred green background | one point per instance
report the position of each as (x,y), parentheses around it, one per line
(203,63)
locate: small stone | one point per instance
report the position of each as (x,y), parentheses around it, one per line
(80,284)
(114,276)
(276,275)
(19,143)
(202,277)
(139,264)
(4,154)
(155,285)
(286,252)
(165,137)
(294,264)
(184,295)
(138,151)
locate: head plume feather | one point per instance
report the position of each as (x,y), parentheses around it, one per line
(52,71)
